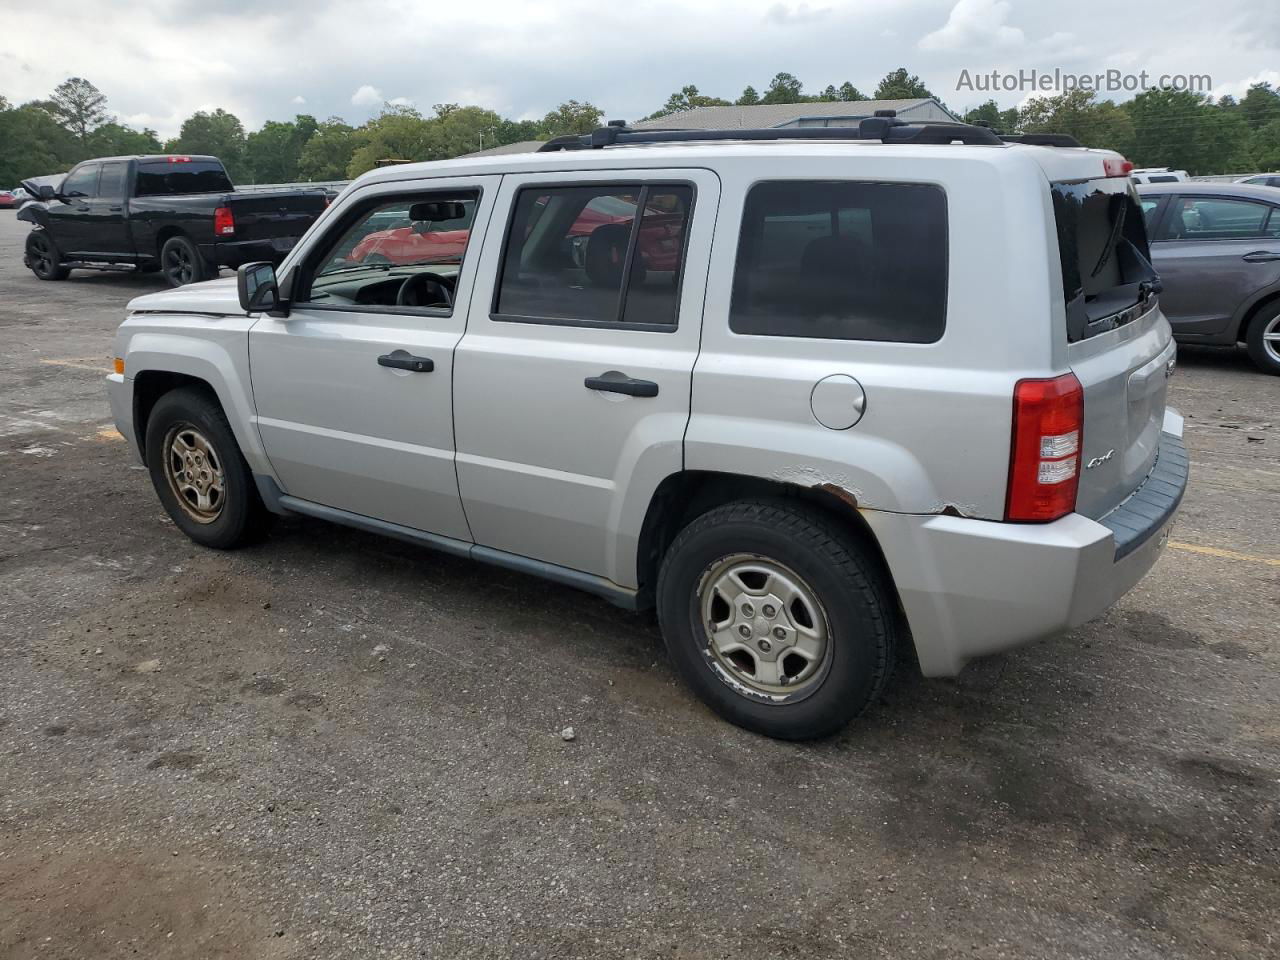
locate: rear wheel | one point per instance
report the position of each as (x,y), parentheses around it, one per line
(199,473)
(1264,340)
(779,620)
(44,258)
(181,262)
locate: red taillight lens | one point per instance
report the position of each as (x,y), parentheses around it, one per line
(1044,464)
(224,224)
(1116,167)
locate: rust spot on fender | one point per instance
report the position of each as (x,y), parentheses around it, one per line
(840,493)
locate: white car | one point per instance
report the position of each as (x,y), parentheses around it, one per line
(1158,175)
(810,393)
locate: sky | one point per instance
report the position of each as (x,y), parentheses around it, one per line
(158,61)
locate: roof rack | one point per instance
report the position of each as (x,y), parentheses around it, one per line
(1043,139)
(883,127)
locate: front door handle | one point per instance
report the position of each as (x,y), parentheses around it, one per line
(116,209)
(1260,256)
(613,381)
(403,360)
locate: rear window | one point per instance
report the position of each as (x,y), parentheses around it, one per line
(159,178)
(842,260)
(1102,246)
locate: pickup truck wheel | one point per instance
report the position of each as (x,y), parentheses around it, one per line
(182,263)
(1264,341)
(199,473)
(43,257)
(779,621)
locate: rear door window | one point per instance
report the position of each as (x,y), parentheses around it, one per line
(595,255)
(1206,218)
(842,260)
(111,186)
(1103,253)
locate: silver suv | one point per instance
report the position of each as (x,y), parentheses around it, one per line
(811,393)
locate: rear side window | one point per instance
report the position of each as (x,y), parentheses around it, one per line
(83,182)
(1204,218)
(160,177)
(595,255)
(1105,259)
(841,260)
(111,186)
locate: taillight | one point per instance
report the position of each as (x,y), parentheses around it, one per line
(1044,464)
(1116,166)
(224,224)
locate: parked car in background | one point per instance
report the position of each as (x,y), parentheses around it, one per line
(21,196)
(1262,180)
(7,200)
(1217,250)
(180,215)
(1158,175)
(778,420)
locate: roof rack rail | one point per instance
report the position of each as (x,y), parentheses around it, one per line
(886,129)
(1043,139)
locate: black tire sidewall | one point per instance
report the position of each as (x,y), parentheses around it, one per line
(1254,344)
(59,272)
(238,513)
(858,618)
(199,269)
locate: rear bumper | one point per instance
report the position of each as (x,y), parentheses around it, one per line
(233,253)
(975,587)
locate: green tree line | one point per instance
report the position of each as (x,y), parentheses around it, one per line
(73,124)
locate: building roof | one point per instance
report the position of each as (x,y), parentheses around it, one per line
(524,146)
(764,115)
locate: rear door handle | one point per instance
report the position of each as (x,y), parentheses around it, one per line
(116,209)
(403,360)
(613,381)
(1260,256)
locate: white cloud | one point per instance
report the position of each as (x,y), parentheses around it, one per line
(1239,88)
(400,102)
(802,13)
(974,24)
(299,100)
(367,96)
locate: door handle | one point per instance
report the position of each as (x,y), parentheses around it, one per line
(613,381)
(116,209)
(403,360)
(82,209)
(1260,256)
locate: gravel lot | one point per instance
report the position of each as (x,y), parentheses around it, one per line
(334,745)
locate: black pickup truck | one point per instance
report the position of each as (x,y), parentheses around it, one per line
(176,214)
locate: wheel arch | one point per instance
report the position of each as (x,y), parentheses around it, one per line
(682,497)
(1257,310)
(165,234)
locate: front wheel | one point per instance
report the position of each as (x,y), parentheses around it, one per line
(44,258)
(1264,341)
(777,618)
(181,262)
(199,473)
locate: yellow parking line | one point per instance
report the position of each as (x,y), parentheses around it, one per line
(1224,554)
(87,363)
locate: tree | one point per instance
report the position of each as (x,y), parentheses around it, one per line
(328,153)
(899,85)
(686,98)
(33,144)
(784,88)
(1077,114)
(749,98)
(79,106)
(220,134)
(571,117)
(1260,105)
(1184,130)
(272,153)
(457,130)
(398,133)
(1265,146)
(1003,121)
(114,139)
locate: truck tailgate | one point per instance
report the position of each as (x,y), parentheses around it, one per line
(271,216)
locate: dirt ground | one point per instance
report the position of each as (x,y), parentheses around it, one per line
(335,745)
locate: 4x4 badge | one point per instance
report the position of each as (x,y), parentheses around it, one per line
(1099,461)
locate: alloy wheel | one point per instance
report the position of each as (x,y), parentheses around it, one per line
(194,472)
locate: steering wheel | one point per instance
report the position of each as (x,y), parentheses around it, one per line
(415,292)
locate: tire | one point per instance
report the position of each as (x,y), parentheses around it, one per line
(842,589)
(44,258)
(181,262)
(1264,340)
(190,419)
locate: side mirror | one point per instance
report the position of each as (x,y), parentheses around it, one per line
(47,192)
(437,210)
(256,283)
